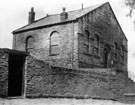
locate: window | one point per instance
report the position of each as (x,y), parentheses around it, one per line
(115,51)
(86,39)
(29,43)
(122,53)
(96,45)
(54,43)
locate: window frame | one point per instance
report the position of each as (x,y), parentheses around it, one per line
(96,44)
(26,43)
(115,51)
(87,43)
(51,45)
(122,53)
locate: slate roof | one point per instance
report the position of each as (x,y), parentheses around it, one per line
(54,19)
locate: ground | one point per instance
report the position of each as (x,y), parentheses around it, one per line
(58,101)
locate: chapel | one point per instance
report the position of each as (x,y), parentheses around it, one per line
(85,38)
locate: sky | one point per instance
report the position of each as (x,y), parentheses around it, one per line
(14,14)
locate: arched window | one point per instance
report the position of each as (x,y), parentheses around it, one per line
(86,39)
(115,50)
(54,43)
(29,43)
(96,42)
(122,53)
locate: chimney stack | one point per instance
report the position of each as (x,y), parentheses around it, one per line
(31,16)
(64,14)
(82,6)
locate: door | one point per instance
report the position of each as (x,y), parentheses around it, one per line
(105,57)
(15,77)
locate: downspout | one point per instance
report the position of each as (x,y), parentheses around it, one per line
(25,78)
(72,45)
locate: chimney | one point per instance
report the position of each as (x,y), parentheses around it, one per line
(31,16)
(64,14)
(82,6)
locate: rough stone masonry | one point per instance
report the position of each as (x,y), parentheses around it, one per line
(78,54)
(86,38)
(40,79)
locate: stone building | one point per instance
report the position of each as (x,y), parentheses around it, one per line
(85,38)
(79,54)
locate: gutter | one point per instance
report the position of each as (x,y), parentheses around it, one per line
(43,26)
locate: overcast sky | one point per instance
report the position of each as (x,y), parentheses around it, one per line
(14,14)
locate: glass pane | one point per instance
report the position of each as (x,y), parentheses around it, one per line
(86,37)
(86,48)
(54,49)
(30,42)
(96,50)
(115,55)
(54,38)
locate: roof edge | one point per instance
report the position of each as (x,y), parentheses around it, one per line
(12,51)
(117,21)
(93,9)
(64,22)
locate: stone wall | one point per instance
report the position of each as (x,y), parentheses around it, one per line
(3,73)
(68,44)
(43,80)
(103,23)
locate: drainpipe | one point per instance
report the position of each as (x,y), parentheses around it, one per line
(72,45)
(25,78)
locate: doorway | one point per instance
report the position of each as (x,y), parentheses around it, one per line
(15,76)
(106,56)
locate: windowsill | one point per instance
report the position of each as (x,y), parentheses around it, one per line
(122,63)
(115,60)
(97,56)
(88,54)
(53,54)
